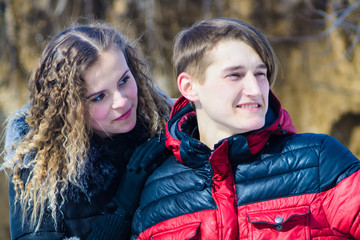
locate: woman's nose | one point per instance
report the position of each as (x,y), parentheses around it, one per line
(119,100)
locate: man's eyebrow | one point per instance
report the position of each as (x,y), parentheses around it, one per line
(232,68)
(239,67)
(262,66)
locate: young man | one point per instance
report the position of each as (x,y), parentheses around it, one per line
(240,170)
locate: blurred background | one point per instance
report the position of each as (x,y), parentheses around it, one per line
(317,42)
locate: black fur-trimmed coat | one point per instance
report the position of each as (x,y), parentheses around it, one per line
(103,170)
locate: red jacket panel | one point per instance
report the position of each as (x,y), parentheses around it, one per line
(268,184)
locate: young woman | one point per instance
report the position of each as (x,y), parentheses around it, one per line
(91,104)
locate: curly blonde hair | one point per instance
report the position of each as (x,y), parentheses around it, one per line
(59,134)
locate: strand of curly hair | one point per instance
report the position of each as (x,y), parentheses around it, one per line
(153,108)
(59,135)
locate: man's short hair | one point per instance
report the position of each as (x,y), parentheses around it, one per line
(192,45)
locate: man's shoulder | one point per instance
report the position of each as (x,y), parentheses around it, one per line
(302,140)
(170,167)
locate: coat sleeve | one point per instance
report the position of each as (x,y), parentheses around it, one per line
(17,128)
(23,231)
(341,200)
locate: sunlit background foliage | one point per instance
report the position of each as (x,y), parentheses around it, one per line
(317,42)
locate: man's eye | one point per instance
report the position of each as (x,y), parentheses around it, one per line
(236,75)
(260,74)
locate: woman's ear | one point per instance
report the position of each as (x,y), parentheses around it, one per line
(186,85)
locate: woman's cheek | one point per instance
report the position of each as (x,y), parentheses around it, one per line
(98,114)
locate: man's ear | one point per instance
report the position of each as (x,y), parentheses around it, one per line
(186,86)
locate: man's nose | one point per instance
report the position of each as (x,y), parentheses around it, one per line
(251,84)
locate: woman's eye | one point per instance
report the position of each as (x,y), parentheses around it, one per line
(123,80)
(98,98)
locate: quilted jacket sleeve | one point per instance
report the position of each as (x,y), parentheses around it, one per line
(17,128)
(340,175)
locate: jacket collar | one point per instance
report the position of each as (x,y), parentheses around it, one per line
(182,126)
(107,160)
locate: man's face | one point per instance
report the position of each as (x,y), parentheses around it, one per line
(233,98)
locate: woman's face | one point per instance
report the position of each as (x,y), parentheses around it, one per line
(112,94)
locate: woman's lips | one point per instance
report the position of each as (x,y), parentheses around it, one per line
(124,116)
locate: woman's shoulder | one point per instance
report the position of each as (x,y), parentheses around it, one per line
(16,126)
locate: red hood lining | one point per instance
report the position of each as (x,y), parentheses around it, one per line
(256,141)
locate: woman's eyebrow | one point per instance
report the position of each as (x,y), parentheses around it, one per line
(93,94)
(96,93)
(122,76)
